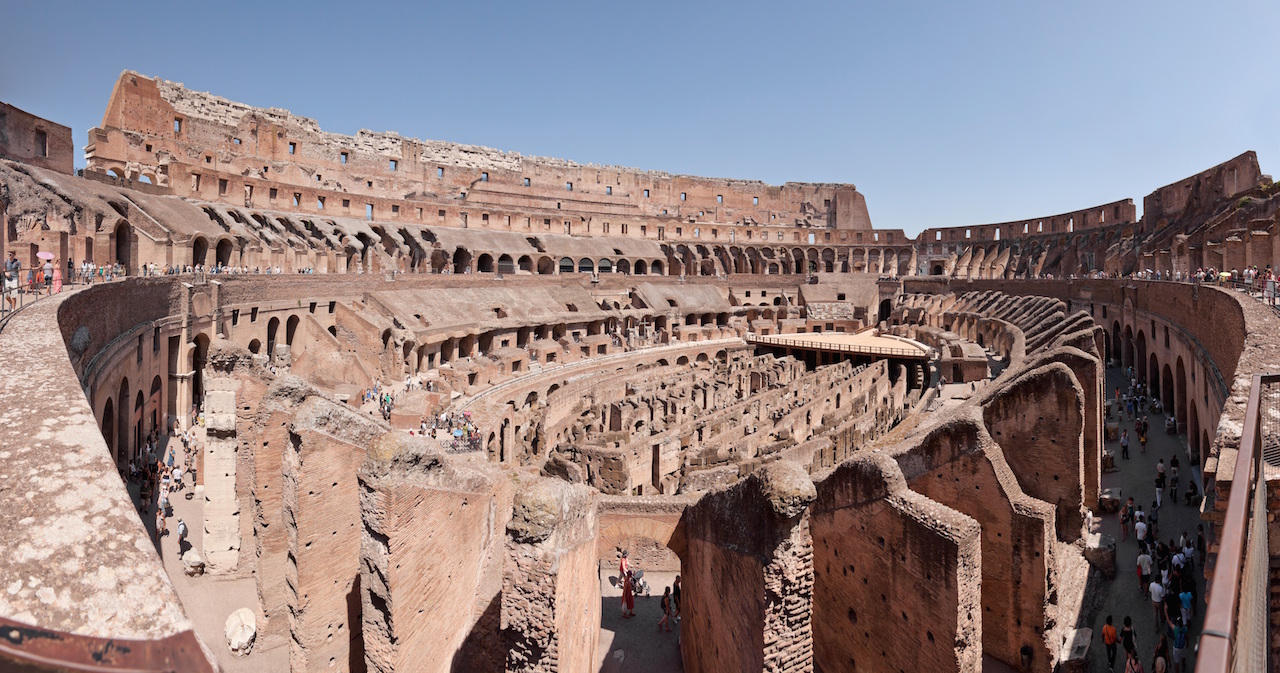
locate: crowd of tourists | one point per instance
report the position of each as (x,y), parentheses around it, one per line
(459,433)
(1164,569)
(160,476)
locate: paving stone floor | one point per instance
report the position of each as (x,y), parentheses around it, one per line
(1136,477)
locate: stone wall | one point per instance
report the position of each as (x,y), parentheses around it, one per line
(747,601)
(431,558)
(27,138)
(897,576)
(327,444)
(550,583)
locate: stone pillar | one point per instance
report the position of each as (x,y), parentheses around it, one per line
(221,504)
(753,536)
(327,443)
(432,554)
(550,583)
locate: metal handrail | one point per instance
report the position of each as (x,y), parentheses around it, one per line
(1218,640)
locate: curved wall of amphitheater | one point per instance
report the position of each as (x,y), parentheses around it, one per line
(621,390)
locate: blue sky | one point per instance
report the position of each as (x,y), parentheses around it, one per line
(942,114)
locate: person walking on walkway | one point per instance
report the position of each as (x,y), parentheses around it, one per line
(1124,445)
(1110,638)
(1128,637)
(1132,665)
(1156,591)
(628,595)
(1144,570)
(666,610)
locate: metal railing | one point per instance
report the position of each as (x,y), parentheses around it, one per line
(1236,634)
(29,287)
(770,340)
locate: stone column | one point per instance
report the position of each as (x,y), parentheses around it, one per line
(550,583)
(320,501)
(753,536)
(221,505)
(432,554)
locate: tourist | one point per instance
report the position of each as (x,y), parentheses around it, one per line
(1192,496)
(182,534)
(1173,479)
(624,576)
(161,529)
(1124,440)
(1144,570)
(1140,525)
(666,610)
(1179,645)
(57,277)
(1132,665)
(1159,660)
(1126,518)
(1153,520)
(1156,591)
(11,269)
(1142,441)
(675,599)
(1110,638)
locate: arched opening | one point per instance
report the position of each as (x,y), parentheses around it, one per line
(255,346)
(1153,375)
(124,245)
(139,404)
(199,250)
(1166,389)
(1140,360)
(624,266)
(153,403)
(506,264)
(526,263)
(484,263)
(546,267)
(585,265)
(198,359)
(604,266)
(273,326)
(225,248)
(1116,348)
(461,260)
(937,270)
(1180,399)
(122,421)
(1128,346)
(642,269)
(566,265)
(886,307)
(291,328)
(109,430)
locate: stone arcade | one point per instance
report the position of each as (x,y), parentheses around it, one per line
(626,348)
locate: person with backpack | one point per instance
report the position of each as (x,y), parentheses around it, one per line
(1181,638)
